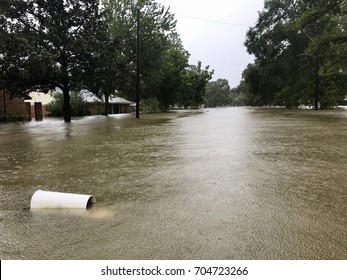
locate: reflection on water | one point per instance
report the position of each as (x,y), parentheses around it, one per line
(235,183)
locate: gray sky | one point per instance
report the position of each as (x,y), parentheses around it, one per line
(219,45)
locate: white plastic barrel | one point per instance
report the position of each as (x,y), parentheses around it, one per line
(47,199)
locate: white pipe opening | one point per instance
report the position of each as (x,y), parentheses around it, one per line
(47,199)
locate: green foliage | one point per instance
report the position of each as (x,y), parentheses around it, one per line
(75,44)
(156,25)
(108,70)
(78,106)
(55,107)
(300,49)
(175,62)
(218,93)
(47,44)
(14,118)
(150,105)
(194,81)
(241,94)
(165,73)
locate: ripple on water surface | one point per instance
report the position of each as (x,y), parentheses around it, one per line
(234,183)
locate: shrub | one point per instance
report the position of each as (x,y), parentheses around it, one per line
(150,105)
(78,105)
(14,118)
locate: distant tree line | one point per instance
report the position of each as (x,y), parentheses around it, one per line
(219,94)
(84,44)
(301,55)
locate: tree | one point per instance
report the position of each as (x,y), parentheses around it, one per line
(107,72)
(241,94)
(324,25)
(194,81)
(276,45)
(165,73)
(295,42)
(47,44)
(218,93)
(169,75)
(157,24)
(78,105)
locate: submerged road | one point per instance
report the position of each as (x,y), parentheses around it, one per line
(233,183)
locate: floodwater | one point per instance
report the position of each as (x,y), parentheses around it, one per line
(233,183)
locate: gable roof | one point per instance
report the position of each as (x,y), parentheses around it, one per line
(18,94)
(89,97)
(119,100)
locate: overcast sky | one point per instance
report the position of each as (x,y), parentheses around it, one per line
(219,45)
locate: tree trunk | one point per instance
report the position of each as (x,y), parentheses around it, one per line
(67,105)
(65,87)
(107,105)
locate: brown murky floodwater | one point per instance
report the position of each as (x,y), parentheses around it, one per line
(235,183)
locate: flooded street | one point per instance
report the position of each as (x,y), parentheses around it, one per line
(233,183)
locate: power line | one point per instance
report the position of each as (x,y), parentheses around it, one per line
(218,62)
(223,63)
(214,21)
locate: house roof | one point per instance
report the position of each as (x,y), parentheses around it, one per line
(18,94)
(119,100)
(91,98)
(26,96)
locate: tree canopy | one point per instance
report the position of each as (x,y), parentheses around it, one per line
(163,59)
(47,44)
(300,50)
(218,93)
(74,44)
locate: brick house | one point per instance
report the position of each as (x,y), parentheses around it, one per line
(14,105)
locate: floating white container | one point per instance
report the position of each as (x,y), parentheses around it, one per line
(47,199)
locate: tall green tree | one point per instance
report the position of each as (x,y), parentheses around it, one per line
(193,88)
(156,25)
(107,71)
(295,43)
(170,72)
(276,45)
(47,43)
(324,23)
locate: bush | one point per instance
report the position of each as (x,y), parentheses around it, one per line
(78,106)
(14,118)
(150,105)
(55,108)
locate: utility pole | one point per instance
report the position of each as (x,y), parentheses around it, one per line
(4,95)
(317,84)
(138,75)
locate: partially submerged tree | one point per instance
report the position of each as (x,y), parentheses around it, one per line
(47,44)
(324,24)
(108,71)
(195,79)
(298,46)
(169,76)
(157,22)
(91,44)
